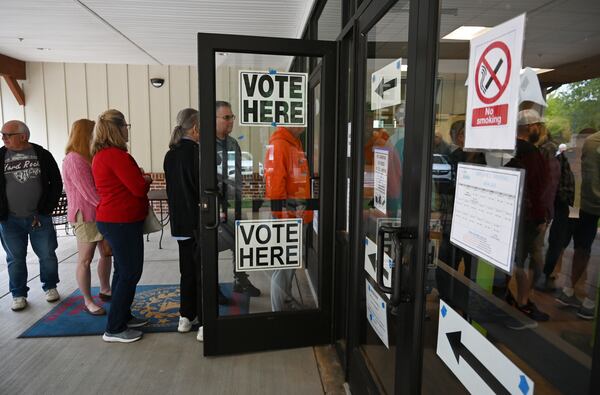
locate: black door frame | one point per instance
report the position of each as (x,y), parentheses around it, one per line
(263,331)
(420,99)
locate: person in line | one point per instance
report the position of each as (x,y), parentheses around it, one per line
(585,232)
(181,166)
(120,217)
(562,227)
(82,200)
(30,188)
(534,214)
(287,185)
(230,185)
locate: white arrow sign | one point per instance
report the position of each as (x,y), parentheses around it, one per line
(385,85)
(479,366)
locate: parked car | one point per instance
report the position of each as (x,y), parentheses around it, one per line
(442,171)
(247,163)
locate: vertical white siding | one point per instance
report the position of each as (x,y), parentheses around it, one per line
(57,94)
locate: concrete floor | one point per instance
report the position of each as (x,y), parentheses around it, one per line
(161,363)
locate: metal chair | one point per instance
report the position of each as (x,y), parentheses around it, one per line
(59,215)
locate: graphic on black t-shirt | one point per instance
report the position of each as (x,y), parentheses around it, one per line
(22,166)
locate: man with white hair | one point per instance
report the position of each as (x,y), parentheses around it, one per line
(29,191)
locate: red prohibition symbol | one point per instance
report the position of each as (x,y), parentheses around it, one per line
(482,86)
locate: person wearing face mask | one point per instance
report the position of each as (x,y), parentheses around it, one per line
(533,215)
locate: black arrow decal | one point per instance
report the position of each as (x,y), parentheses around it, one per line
(382,87)
(460,350)
(372,259)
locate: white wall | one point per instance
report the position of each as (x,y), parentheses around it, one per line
(57,94)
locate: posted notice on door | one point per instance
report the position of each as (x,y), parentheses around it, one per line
(380,178)
(270,244)
(486,212)
(377,313)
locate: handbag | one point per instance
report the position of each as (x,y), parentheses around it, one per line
(151,223)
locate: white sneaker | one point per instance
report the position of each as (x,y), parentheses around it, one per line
(185,325)
(52,295)
(19,303)
(200,336)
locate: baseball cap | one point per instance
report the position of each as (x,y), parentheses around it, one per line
(528,117)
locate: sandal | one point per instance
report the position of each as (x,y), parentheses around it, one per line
(100,311)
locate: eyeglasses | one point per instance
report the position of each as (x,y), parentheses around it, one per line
(228,117)
(9,135)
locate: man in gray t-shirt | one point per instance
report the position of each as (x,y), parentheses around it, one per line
(22,175)
(30,186)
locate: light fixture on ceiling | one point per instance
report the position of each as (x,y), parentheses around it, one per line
(540,70)
(157,82)
(465,33)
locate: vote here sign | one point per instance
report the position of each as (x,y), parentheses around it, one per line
(271,244)
(272,98)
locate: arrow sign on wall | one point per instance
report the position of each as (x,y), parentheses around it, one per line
(474,360)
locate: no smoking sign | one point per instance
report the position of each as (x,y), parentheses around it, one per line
(493,95)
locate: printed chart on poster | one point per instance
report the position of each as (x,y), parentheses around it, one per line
(380,179)
(386,85)
(377,313)
(272,98)
(269,244)
(493,87)
(479,366)
(486,212)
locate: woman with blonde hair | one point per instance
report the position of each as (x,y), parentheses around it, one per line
(120,217)
(81,213)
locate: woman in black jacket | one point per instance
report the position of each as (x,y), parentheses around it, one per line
(181,175)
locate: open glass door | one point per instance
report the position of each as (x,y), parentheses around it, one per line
(262,286)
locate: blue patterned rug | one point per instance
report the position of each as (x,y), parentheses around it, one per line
(158,303)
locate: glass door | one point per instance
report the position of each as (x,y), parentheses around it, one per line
(267,174)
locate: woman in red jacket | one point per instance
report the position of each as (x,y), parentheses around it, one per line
(120,216)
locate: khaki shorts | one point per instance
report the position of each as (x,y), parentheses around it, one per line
(86,232)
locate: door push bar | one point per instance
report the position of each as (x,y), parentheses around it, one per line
(399,235)
(205,207)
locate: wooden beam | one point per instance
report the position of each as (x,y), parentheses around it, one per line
(12,67)
(15,88)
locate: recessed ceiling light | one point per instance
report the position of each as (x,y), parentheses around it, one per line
(465,33)
(541,71)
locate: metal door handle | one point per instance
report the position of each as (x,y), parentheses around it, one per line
(399,235)
(205,206)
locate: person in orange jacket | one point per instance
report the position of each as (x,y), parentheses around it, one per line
(287,185)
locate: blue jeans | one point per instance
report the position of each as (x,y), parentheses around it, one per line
(127,243)
(14,233)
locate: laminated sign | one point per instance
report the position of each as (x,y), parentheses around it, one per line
(270,244)
(272,98)
(493,87)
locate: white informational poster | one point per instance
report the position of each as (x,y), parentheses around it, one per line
(479,366)
(268,244)
(493,87)
(315,221)
(377,313)
(349,150)
(486,212)
(385,85)
(380,179)
(371,263)
(272,98)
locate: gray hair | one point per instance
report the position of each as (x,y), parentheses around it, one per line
(21,127)
(186,120)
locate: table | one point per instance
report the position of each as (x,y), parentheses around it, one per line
(160,196)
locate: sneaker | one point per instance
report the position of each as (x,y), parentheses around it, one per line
(127,336)
(518,325)
(136,322)
(545,284)
(565,300)
(245,287)
(586,313)
(185,325)
(200,335)
(531,311)
(52,295)
(19,303)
